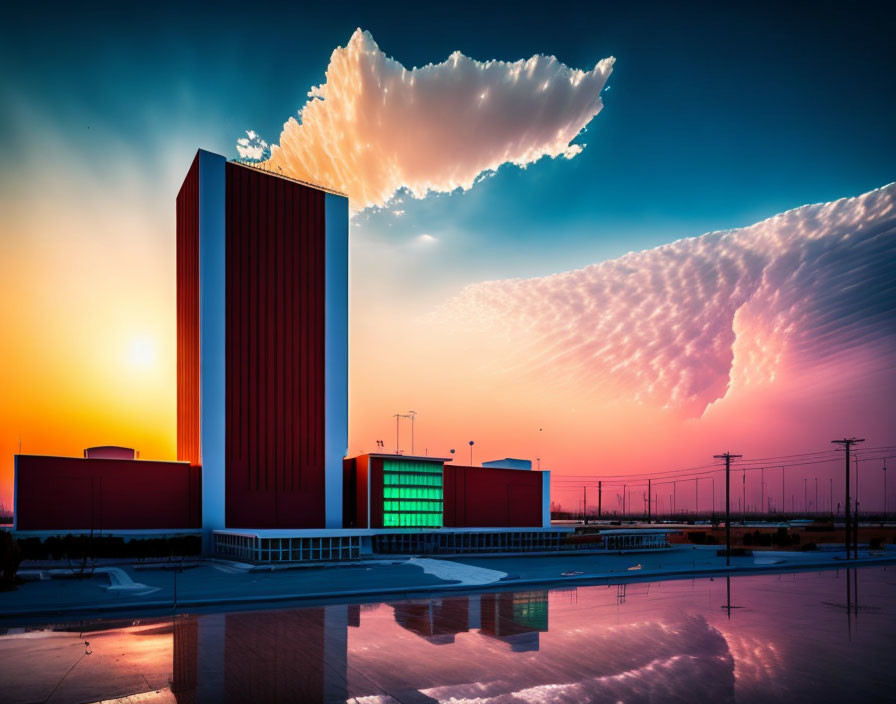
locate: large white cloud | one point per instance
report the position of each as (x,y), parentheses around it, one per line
(375,127)
(682,325)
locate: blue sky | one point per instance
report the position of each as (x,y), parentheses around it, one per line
(715,117)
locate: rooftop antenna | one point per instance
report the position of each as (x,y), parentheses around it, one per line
(411,415)
(398,417)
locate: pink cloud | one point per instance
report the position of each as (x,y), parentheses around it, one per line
(685,325)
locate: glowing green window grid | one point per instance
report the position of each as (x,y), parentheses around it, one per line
(412,494)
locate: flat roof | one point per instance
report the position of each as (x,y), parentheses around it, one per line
(81,458)
(392,455)
(278,174)
(340,532)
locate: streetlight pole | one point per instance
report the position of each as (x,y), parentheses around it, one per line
(471,453)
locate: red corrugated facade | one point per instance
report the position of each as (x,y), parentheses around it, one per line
(354,491)
(375,481)
(72,493)
(274,445)
(188,448)
(491,498)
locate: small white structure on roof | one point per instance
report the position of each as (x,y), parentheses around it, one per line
(508,463)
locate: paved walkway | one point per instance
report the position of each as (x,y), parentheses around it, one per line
(141,588)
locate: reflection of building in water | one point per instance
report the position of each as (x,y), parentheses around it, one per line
(302,655)
(269,656)
(186,651)
(438,620)
(515,618)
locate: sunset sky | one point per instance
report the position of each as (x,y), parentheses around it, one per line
(529,188)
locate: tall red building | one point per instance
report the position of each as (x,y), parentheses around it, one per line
(262,345)
(262,407)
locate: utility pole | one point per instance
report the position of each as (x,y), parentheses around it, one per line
(783,495)
(649,496)
(696,497)
(674,497)
(885,490)
(847,444)
(743,517)
(623,499)
(762,491)
(727,457)
(805,497)
(600,497)
(816,495)
(713,498)
(584,504)
(831,495)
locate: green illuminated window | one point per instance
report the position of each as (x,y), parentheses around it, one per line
(412,494)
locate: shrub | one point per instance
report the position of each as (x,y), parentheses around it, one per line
(10,559)
(79,547)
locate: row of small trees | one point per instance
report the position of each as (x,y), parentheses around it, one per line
(10,559)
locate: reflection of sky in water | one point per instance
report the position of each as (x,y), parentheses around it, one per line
(788,639)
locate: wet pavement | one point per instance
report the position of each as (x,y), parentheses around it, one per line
(807,636)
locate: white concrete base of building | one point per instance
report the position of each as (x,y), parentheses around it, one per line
(351,543)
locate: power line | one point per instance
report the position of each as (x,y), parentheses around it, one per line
(744,466)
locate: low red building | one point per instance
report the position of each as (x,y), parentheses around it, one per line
(400,491)
(101,494)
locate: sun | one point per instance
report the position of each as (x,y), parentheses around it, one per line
(141,352)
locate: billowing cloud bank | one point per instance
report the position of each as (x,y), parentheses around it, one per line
(682,325)
(374,126)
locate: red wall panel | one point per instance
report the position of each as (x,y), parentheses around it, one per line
(354,492)
(491,498)
(274,445)
(188,317)
(375,470)
(69,493)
